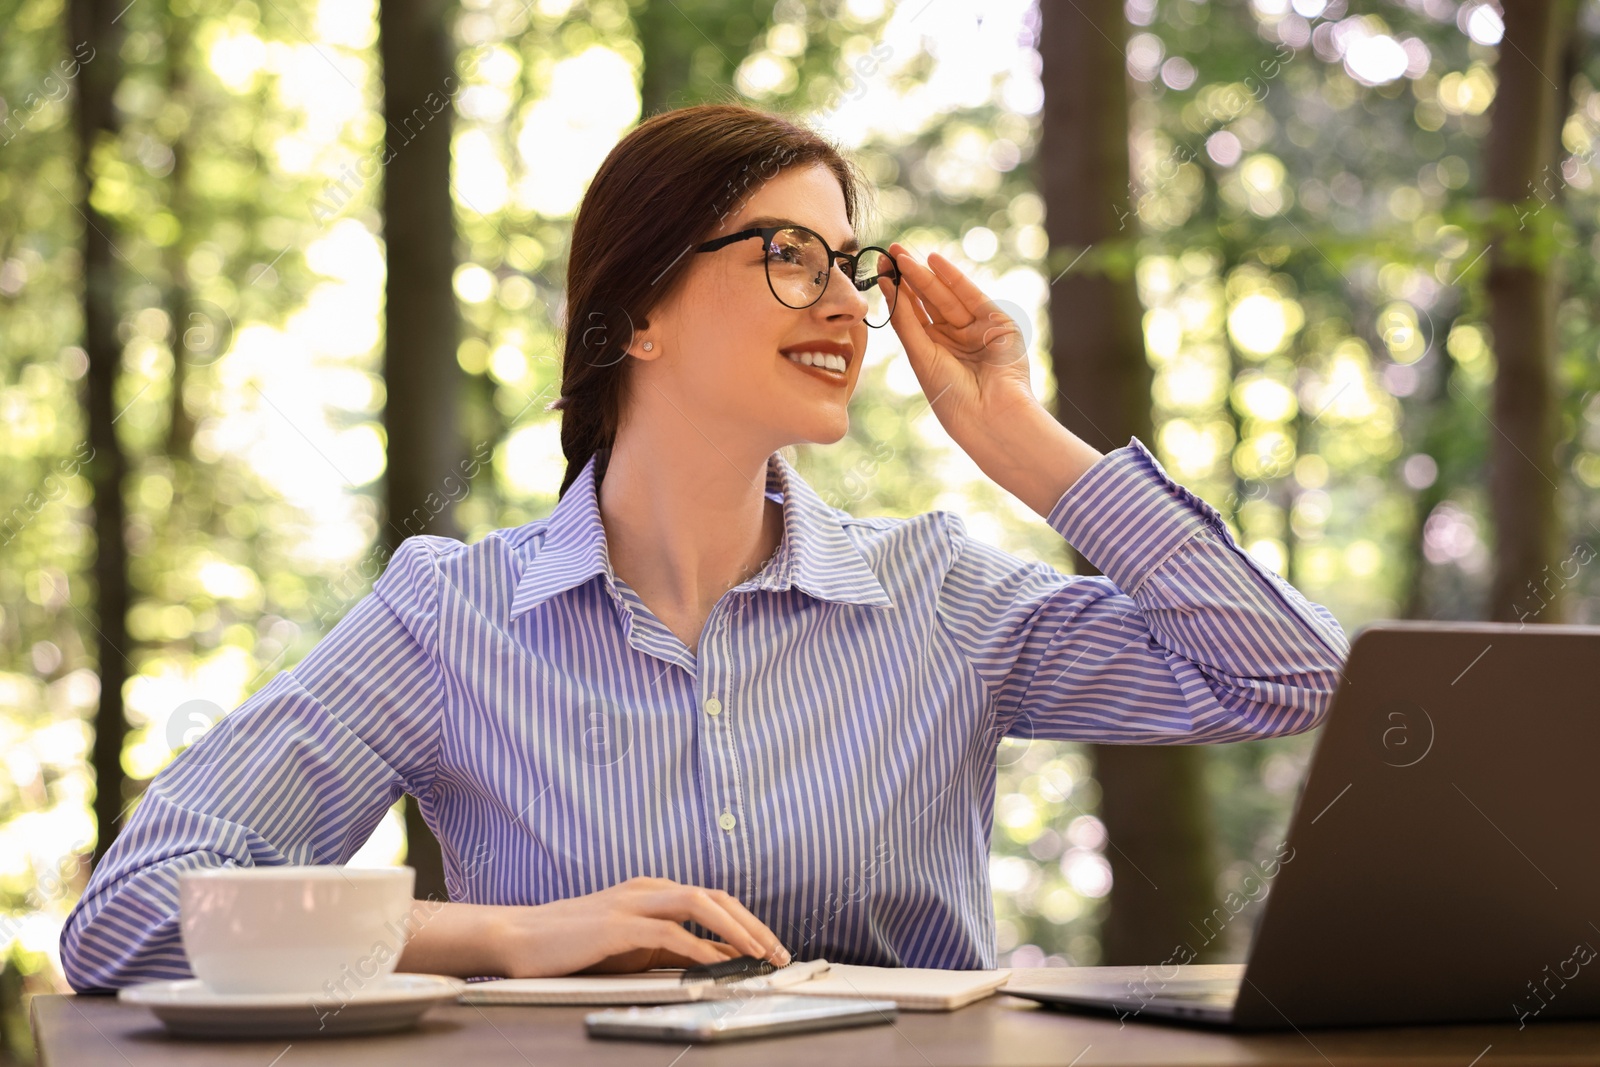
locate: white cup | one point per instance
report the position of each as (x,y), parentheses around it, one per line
(295,929)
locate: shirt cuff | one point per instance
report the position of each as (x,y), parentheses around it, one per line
(1126,515)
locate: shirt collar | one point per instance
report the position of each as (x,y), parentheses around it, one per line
(816,555)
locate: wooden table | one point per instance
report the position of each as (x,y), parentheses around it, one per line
(85,1031)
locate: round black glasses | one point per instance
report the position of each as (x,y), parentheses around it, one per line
(799,264)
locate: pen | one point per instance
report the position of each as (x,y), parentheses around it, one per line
(786,976)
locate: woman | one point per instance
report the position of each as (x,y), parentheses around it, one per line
(696,694)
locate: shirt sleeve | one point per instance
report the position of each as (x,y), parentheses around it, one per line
(300,773)
(1184,637)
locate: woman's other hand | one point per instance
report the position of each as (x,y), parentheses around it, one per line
(635,925)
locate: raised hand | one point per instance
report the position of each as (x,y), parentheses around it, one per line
(967,354)
(969,358)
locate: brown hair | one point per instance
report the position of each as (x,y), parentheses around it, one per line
(666,187)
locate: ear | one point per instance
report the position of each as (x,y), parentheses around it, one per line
(641,337)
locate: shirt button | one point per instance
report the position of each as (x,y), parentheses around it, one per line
(727,821)
(713,706)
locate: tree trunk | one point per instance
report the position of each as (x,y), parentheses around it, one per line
(1521,181)
(192,336)
(1433,412)
(1153,802)
(691,49)
(666,49)
(421,320)
(94,24)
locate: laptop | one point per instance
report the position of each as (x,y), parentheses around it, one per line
(1441,863)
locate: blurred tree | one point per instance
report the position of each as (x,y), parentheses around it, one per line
(1521,175)
(1292,180)
(422,327)
(94,22)
(1433,423)
(181,308)
(692,46)
(1152,800)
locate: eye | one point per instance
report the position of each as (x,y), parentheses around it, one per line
(785,253)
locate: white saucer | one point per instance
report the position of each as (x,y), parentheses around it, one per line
(187,1006)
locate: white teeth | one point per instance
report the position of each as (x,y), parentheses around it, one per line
(819,359)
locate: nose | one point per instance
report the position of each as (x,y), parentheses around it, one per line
(842,296)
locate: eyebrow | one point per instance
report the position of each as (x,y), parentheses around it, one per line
(852,245)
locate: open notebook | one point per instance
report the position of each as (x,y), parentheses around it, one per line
(911,988)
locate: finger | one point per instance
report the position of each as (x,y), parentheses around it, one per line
(926,315)
(953,307)
(939,331)
(909,292)
(908,296)
(669,936)
(962,286)
(663,957)
(758,929)
(697,904)
(912,332)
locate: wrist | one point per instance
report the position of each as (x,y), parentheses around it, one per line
(1032,456)
(459,939)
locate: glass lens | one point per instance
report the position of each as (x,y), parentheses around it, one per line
(879,306)
(797,267)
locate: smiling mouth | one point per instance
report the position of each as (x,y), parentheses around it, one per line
(824,365)
(825,360)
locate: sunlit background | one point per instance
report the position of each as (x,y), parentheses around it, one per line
(1310,274)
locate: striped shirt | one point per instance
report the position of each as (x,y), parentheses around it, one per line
(827,756)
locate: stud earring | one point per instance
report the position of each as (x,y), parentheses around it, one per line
(648,345)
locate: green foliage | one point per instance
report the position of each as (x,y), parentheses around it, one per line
(1310,251)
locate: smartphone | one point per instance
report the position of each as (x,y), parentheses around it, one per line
(737,1017)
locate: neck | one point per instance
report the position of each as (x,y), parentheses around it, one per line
(685,521)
